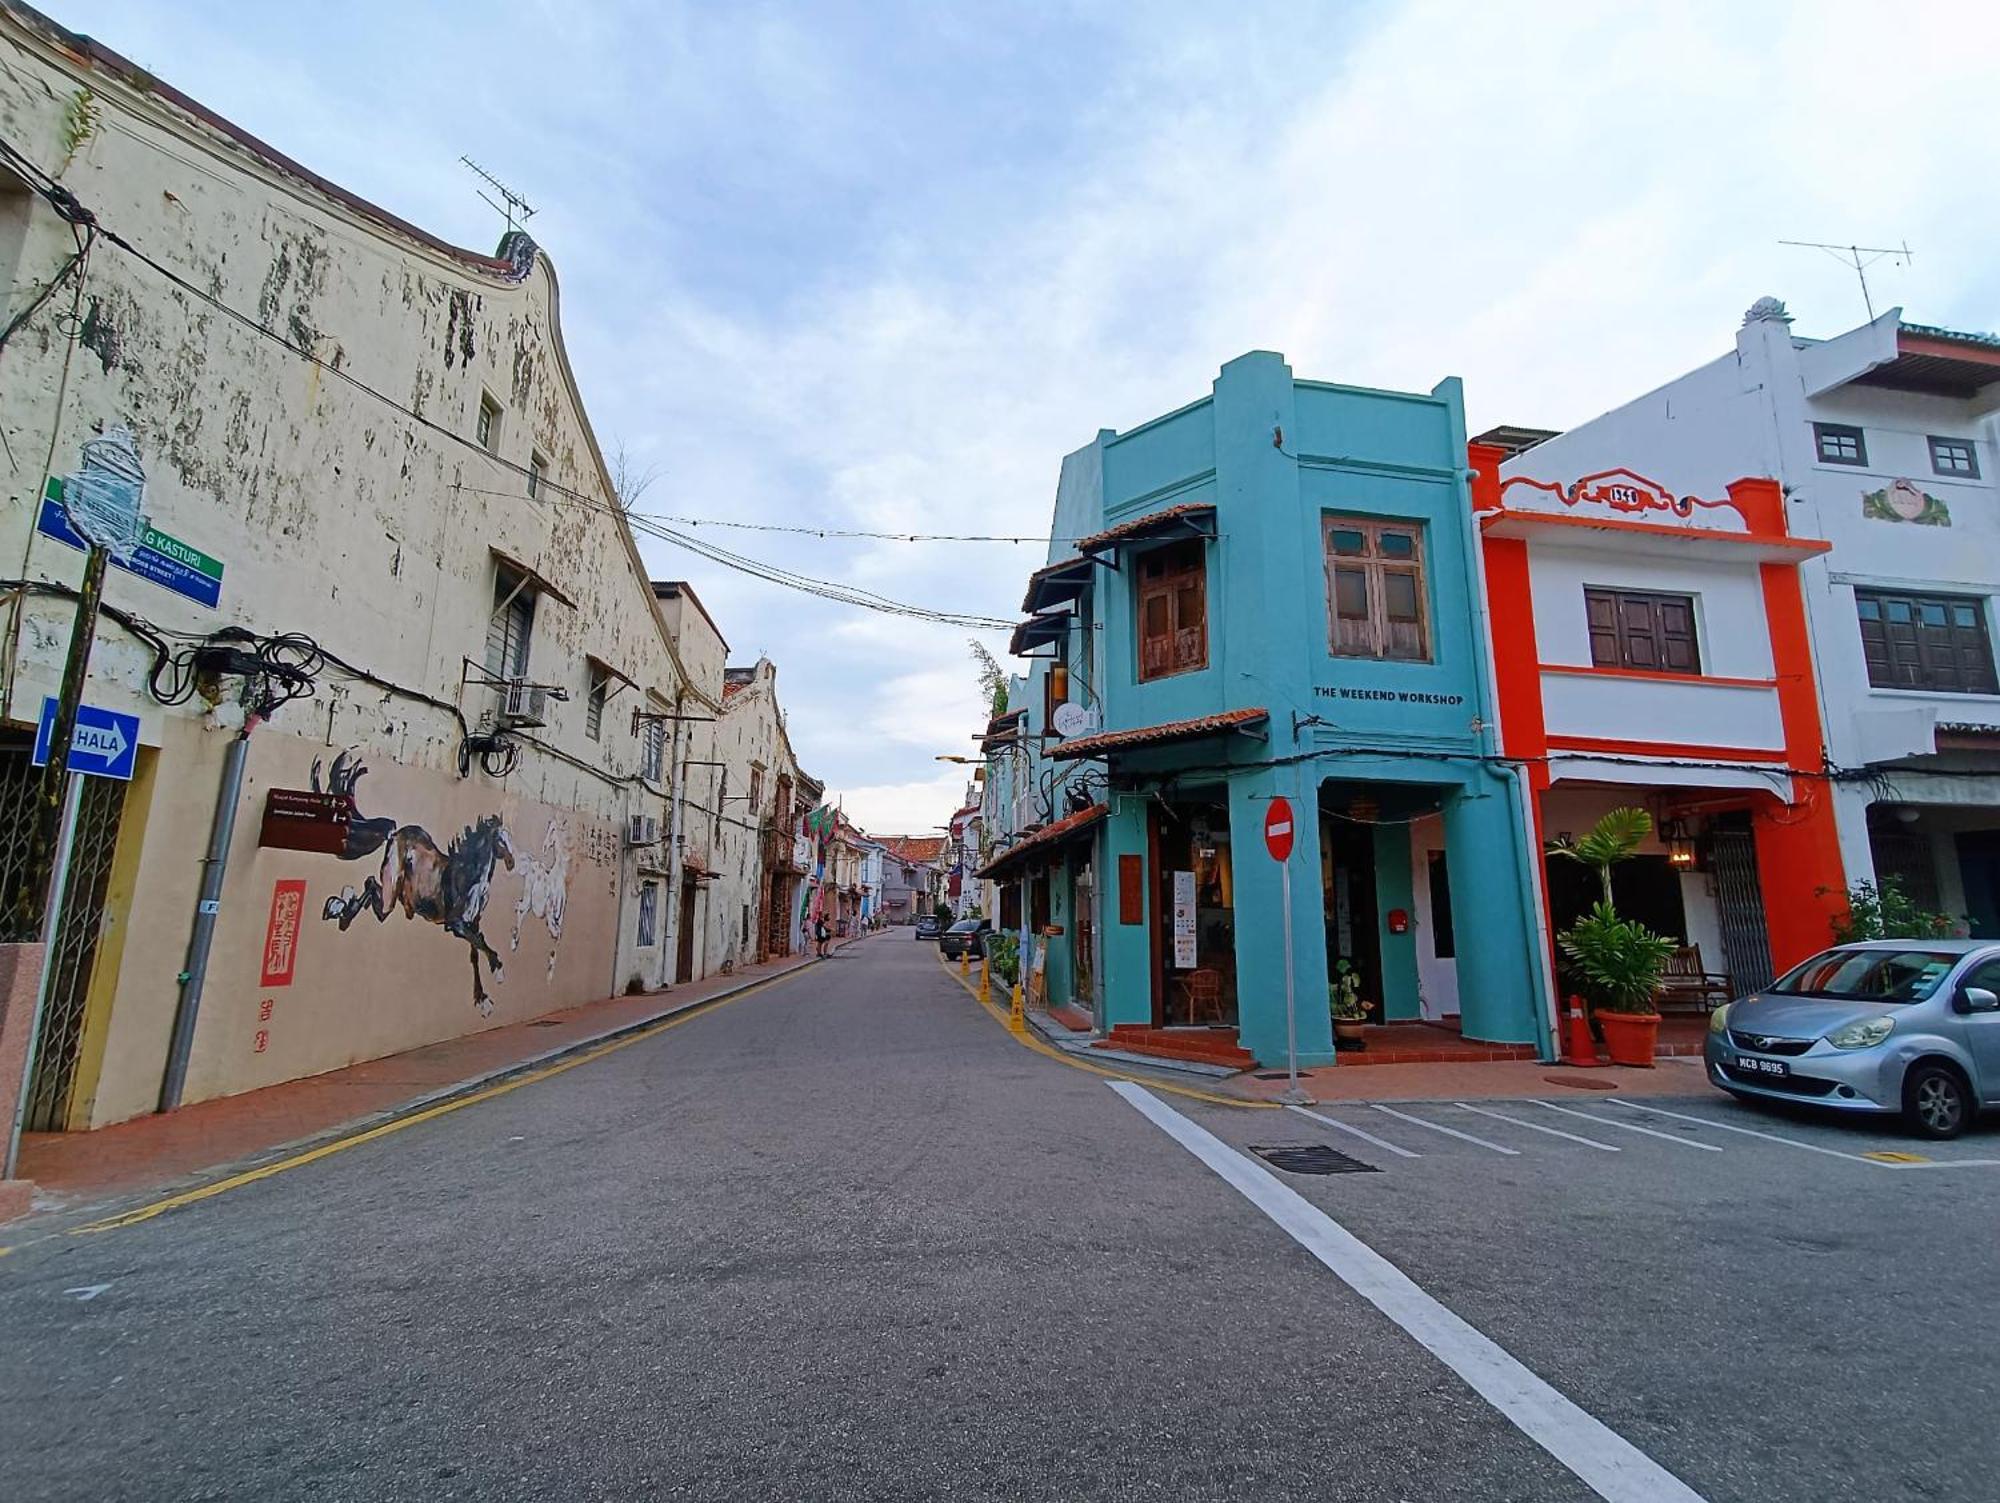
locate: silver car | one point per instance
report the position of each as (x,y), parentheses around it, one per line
(1889,1025)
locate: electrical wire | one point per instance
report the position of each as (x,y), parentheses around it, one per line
(68,205)
(808,530)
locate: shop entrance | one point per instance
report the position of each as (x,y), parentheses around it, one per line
(1194,903)
(1347,889)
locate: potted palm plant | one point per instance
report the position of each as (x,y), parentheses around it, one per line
(1616,961)
(1350,1013)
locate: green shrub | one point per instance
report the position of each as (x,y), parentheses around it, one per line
(1004,952)
(1617,961)
(1885,913)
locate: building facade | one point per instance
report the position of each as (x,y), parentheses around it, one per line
(769,799)
(1275,597)
(1883,440)
(371,479)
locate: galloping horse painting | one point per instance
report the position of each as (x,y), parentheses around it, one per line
(447,887)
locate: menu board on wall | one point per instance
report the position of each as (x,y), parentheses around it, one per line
(1183,920)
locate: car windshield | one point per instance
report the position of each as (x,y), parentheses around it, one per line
(1869,975)
(965,926)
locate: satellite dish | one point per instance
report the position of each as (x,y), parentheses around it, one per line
(1073,719)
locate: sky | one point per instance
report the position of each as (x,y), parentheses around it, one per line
(880,265)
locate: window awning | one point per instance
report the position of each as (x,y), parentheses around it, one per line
(537,581)
(1057,584)
(1139,738)
(1192,519)
(1039,631)
(1938,362)
(1045,841)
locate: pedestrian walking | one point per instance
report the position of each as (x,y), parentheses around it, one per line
(822,934)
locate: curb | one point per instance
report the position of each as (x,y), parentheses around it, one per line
(469,1085)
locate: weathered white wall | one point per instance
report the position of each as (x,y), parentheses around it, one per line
(335,516)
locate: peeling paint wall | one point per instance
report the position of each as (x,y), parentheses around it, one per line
(335,515)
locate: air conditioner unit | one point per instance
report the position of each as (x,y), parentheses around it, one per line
(523,703)
(642,829)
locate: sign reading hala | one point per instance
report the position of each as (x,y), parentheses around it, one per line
(160,557)
(105,745)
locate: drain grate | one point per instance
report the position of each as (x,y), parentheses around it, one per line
(546,1023)
(1311,1158)
(1581,1082)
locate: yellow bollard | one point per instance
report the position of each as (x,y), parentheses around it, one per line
(1017,1017)
(965,962)
(985,979)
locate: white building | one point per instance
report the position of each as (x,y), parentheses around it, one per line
(1883,439)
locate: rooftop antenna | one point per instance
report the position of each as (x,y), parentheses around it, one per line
(512,204)
(1858,258)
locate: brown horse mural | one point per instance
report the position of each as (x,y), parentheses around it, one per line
(448,887)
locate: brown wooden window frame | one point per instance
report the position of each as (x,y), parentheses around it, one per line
(1376,567)
(1612,644)
(1172,575)
(1952,656)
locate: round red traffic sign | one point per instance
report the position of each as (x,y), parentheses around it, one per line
(1278,829)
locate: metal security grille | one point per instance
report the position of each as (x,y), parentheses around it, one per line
(77,928)
(18,782)
(1746,946)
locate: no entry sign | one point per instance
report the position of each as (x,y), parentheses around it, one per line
(1278,829)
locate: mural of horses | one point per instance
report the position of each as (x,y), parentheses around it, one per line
(449,888)
(365,834)
(545,890)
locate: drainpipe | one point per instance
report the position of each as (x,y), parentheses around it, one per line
(670,930)
(213,867)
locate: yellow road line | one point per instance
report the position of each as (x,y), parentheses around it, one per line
(1892,1156)
(341,1145)
(1039,1047)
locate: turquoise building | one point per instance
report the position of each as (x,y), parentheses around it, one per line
(1271,592)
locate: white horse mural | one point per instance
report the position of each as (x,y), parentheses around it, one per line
(545,889)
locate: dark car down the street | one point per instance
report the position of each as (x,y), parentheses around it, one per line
(966,937)
(928,926)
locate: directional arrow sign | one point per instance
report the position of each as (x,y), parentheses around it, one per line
(106,743)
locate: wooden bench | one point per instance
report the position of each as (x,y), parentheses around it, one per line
(1685,983)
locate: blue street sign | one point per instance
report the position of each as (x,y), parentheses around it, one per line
(166,561)
(106,743)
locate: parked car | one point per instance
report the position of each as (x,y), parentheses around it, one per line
(929,926)
(966,937)
(1910,1026)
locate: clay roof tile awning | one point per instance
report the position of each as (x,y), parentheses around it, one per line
(1037,630)
(1057,583)
(1046,840)
(1140,737)
(1185,520)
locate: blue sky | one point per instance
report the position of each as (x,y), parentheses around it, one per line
(881,265)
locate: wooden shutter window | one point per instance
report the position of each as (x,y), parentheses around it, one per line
(1376,603)
(1935,642)
(1173,610)
(1642,630)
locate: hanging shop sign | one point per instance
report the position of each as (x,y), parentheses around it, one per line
(1183,921)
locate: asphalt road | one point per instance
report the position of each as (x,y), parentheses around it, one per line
(844,1238)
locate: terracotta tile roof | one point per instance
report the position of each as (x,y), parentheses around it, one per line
(1159,735)
(913,848)
(1144,527)
(1032,601)
(1045,839)
(1036,630)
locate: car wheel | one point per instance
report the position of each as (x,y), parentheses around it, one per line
(1936,1103)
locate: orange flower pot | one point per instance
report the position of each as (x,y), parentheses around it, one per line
(1629,1037)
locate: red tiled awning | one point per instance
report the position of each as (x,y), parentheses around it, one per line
(1045,840)
(1139,737)
(1038,630)
(1184,520)
(1056,583)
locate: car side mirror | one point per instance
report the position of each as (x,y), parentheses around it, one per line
(1978,999)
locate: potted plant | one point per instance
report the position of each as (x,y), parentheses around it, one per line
(1350,1014)
(1618,962)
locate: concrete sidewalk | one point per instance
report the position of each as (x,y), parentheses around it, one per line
(156,1152)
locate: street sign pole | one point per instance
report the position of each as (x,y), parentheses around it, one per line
(56,776)
(1278,838)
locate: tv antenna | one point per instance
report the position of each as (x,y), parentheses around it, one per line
(511,203)
(1858,258)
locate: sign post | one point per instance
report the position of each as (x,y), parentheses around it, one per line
(1278,836)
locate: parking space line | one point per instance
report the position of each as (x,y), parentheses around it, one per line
(1751,1132)
(1449,1132)
(1651,1132)
(1607,1463)
(1554,1132)
(1360,1132)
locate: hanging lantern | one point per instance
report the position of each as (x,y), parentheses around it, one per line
(1679,841)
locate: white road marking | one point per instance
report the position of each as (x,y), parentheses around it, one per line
(86,1292)
(1359,1132)
(1751,1132)
(1651,1132)
(1611,1466)
(1449,1132)
(1554,1132)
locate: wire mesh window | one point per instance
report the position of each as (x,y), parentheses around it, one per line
(511,624)
(593,704)
(649,914)
(653,750)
